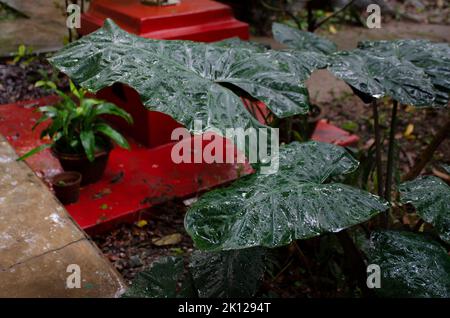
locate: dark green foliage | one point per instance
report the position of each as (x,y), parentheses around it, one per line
(226,274)
(411,265)
(302,40)
(165,278)
(275,209)
(431,198)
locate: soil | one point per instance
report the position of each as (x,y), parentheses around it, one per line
(17,80)
(131,248)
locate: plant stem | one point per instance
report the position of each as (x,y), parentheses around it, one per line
(390,162)
(289,130)
(427,154)
(289,263)
(379,163)
(355,264)
(310,18)
(285,11)
(320,23)
(306,262)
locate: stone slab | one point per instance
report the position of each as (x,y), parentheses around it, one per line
(38,240)
(43,29)
(45,276)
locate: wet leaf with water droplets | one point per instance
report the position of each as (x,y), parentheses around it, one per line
(164,279)
(302,40)
(188,80)
(431,198)
(411,265)
(413,72)
(228,274)
(294,203)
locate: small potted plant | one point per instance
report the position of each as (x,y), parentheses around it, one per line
(80,137)
(67,186)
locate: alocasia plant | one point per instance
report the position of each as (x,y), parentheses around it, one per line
(413,72)
(432,58)
(235,225)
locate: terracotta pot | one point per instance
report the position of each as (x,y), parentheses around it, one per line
(67,186)
(90,171)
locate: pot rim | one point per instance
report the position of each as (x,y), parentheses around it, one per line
(65,155)
(75,174)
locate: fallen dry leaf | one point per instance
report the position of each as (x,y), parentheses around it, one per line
(170,239)
(141,223)
(408,131)
(332,29)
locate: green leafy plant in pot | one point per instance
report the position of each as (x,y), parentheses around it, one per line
(80,137)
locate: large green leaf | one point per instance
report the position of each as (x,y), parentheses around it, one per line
(238,43)
(87,138)
(236,273)
(164,279)
(411,265)
(308,51)
(111,109)
(413,72)
(383,76)
(294,203)
(113,134)
(432,58)
(431,198)
(302,63)
(187,80)
(302,40)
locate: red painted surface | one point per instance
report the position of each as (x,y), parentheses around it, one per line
(151,129)
(16,121)
(141,178)
(134,180)
(326,132)
(196,20)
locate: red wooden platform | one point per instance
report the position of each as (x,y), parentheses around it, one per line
(326,132)
(134,180)
(196,20)
(138,179)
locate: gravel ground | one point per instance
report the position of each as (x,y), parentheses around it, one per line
(132,248)
(17,80)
